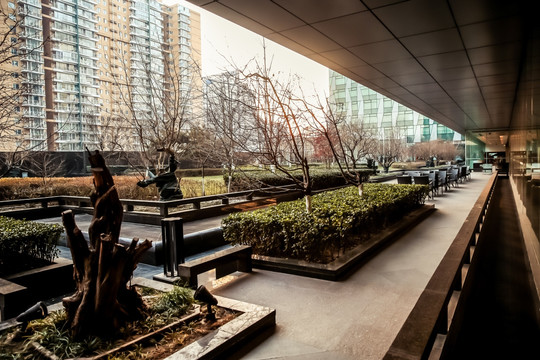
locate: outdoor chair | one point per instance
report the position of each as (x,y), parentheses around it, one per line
(442,180)
(463,174)
(424,180)
(405,179)
(454,177)
(433,179)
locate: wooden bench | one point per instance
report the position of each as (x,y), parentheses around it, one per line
(225,262)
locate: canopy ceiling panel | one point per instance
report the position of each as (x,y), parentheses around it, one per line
(455,61)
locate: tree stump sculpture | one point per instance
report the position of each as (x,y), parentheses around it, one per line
(102,301)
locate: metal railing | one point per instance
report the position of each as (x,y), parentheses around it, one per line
(142,211)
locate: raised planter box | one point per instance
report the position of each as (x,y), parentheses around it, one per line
(217,343)
(336,269)
(22,290)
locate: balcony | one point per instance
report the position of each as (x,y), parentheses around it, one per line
(28,103)
(37,71)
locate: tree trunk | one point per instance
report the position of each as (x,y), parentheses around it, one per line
(102,301)
(309,207)
(203,189)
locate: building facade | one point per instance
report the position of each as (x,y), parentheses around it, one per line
(382,115)
(77,60)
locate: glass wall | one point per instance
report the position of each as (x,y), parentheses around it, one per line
(525,171)
(524,158)
(474,151)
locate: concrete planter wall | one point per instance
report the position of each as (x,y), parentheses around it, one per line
(21,290)
(228,337)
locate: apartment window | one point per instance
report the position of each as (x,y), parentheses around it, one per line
(11,5)
(13,40)
(15,86)
(14,63)
(14,51)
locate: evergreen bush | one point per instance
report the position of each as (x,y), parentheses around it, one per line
(339,220)
(27,239)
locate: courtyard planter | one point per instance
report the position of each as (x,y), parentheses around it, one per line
(221,335)
(343,229)
(351,259)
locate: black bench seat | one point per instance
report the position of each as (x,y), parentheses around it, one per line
(237,258)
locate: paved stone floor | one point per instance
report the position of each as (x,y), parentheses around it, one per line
(359,316)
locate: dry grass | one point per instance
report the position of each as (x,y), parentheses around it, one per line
(24,188)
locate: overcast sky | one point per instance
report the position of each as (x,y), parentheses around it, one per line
(224,42)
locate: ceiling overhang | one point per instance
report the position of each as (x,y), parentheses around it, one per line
(457,62)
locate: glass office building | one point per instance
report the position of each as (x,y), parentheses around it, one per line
(358,103)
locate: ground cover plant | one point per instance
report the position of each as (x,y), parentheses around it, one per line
(26,244)
(162,309)
(340,220)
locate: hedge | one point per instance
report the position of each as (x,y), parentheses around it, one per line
(22,238)
(321,179)
(23,188)
(339,220)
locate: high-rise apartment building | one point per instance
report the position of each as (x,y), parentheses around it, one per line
(358,103)
(81,61)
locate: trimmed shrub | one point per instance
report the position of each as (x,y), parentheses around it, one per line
(339,220)
(22,239)
(321,178)
(24,188)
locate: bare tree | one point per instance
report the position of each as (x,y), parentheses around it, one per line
(438,149)
(10,85)
(43,164)
(390,148)
(421,151)
(229,115)
(154,104)
(445,150)
(322,150)
(15,51)
(358,142)
(347,142)
(202,148)
(12,89)
(282,132)
(10,160)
